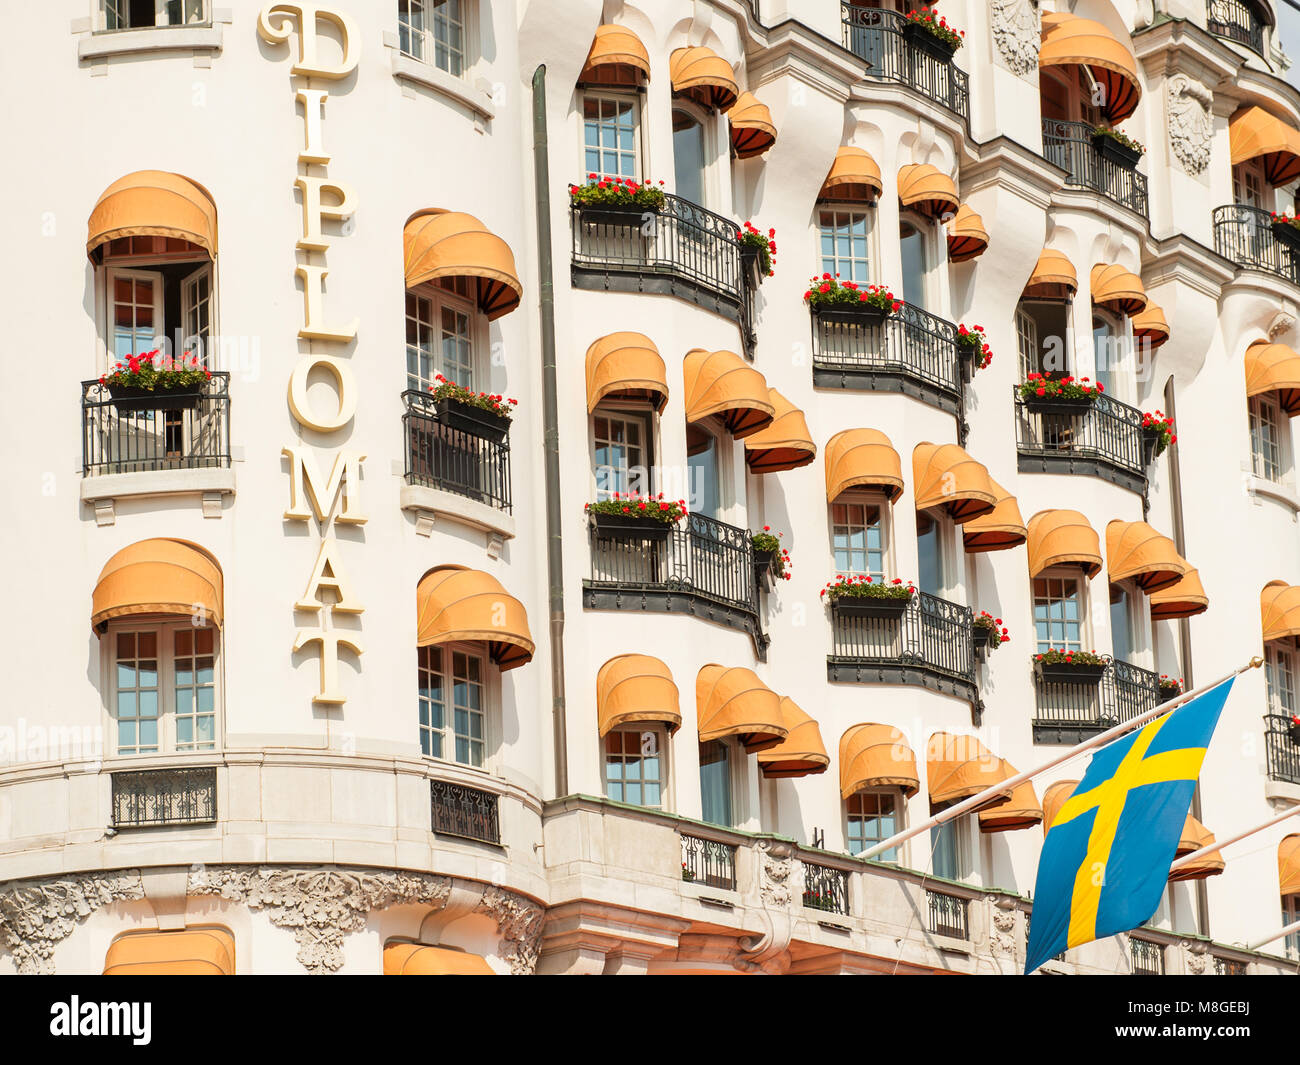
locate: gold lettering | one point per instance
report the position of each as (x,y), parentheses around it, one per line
(275,24)
(344,385)
(330,641)
(327,576)
(304,487)
(313,108)
(314,211)
(313,278)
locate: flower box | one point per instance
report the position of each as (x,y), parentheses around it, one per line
(865,314)
(869,606)
(1288,234)
(764,564)
(1069,673)
(622,215)
(133,397)
(751,263)
(473,420)
(1118,153)
(982,637)
(923,40)
(1056,405)
(629,527)
(1150,445)
(1293,730)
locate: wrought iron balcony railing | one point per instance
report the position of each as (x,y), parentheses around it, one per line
(153,797)
(876,35)
(1079,710)
(825,889)
(929,645)
(949,915)
(1148,957)
(1102,439)
(708,862)
(1237,20)
(912,352)
(467,813)
(1281,751)
(452,458)
(1069,146)
(1245,235)
(141,434)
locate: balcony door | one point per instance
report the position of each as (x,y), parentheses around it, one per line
(688,155)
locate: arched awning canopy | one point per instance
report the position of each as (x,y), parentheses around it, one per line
(1274,368)
(171,578)
(1288,865)
(455,604)
(854,177)
(957,767)
(185,952)
(153,203)
(876,756)
(801,753)
(1021,810)
(635,689)
(1117,289)
(1001,528)
(786,444)
(944,476)
(752,130)
(967,237)
(1071,41)
(1185,598)
(1054,798)
(1279,609)
(862,458)
(700,74)
(721,383)
(1063,538)
(1150,326)
(926,189)
(1136,552)
(421,959)
(1195,836)
(734,702)
(440,244)
(617,57)
(626,366)
(1255,134)
(1054,277)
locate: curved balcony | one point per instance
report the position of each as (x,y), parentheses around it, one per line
(1281,751)
(1075,711)
(1238,21)
(140,435)
(1069,145)
(877,36)
(1245,235)
(443,455)
(1101,439)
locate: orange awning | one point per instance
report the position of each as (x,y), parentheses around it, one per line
(786,444)
(1274,368)
(153,203)
(734,702)
(420,959)
(1279,608)
(1068,40)
(876,756)
(1150,325)
(1021,810)
(455,604)
(1288,865)
(187,952)
(1195,836)
(1117,289)
(1054,798)
(854,177)
(999,529)
(722,383)
(957,767)
(626,366)
(1054,277)
(802,752)
(174,578)
(967,237)
(1185,598)
(944,476)
(704,76)
(752,131)
(1135,551)
(622,55)
(924,188)
(636,688)
(1060,538)
(862,458)
(439,244)
(1255,134)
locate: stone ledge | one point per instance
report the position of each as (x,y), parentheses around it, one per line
(427,504)
(212,483)
(1282,791)
(473,98)
(99,46)
(1280,493)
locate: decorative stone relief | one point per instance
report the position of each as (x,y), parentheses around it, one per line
(35,916)
(1016,34)
(1003,939)
(519,923)
(1282,322)
(777,883)
(1191,125)
(777,865)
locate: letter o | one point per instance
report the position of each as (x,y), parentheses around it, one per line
(344,384)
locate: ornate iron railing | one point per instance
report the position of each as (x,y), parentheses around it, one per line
(464,812)
(135,436)
(439,455)
(1067,712)
(1238,21)
(1228,966)
(1281,751)
(1148,957)
(150,797)
(1069,146)
(708,862)
(825,889)
(1245,235)
(1103,438)
(949,915)
(876,35)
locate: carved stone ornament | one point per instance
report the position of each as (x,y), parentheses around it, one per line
(1003,940)
(35,916)
(1191,125)
(1016,33)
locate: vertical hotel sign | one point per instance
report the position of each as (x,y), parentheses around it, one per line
(335,500)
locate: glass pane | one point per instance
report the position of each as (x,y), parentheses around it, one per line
(688,157)
(912,246)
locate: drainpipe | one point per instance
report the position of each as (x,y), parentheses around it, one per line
(551,430)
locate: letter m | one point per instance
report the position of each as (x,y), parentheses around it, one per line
(305,487)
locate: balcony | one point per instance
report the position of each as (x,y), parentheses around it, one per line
(825,888)
(682,250)
(911,352)
(466,813)
(155,797)
(450,458)
(1102,439)
(1076,711)
(1245,235)
(877,36)
(151,434)
(1237,21)
(708,862)
(1069,146)
(1148,957)
(947,915)
(704,568)
(929,645)
(1281,751)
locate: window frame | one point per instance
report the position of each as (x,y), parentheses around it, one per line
(1062,573)
(491,706)
(964,855)
(615,94)
(894,855)
(625,410)
(926,228)
(441,298)
(708,162)
(1278,658)
(469,51)
(1257,407)
(159,6)
(865,498)
(851,211)
(1122,385)
(662,743)
(112,274)
(735,759)
(729,492)
(949,558)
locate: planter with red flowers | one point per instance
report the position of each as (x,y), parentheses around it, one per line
(1293,730)
(616,201)
(771,560)
(972,350)
(1170,688)
(1069,667)
(153,381)
(757,252)
(477,413)
(845,301)
(814,899)
(929,32)
(861,596)
(631,516)
(1157,434)
(1059,395)
(1118,147)
(1286,227)
(988,632)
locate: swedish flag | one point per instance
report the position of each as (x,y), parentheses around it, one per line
(1106,858)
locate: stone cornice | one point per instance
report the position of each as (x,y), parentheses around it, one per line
(1002,161)
(791,49)
(1180,259)
(885,93)
(1176,45)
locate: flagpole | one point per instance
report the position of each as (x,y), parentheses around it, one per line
(1197,855)
(1288,930)
(1002,787)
